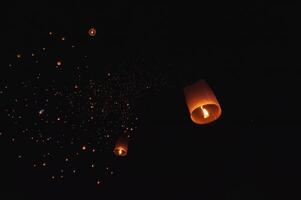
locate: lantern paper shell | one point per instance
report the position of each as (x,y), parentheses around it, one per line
(121,147)
(202,103)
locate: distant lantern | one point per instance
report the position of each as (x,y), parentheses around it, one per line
(59,63)
(92,32)
(202,103)
(121,147)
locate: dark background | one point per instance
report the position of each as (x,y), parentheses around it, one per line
(248,54)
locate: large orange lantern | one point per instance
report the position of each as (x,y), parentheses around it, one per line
(121,147)
(202,103)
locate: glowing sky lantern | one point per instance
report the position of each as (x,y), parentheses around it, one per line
(92,32)
(58,63)
(121,147)
(202,103)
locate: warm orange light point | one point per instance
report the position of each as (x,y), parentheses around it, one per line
(92,32)
(121,147)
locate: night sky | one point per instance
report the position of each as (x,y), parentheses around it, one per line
(67,96)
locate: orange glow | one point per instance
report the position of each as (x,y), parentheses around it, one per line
(202,103)
(121,147)
(205,112)
(92,32)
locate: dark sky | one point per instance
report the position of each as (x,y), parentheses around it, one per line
(246,51)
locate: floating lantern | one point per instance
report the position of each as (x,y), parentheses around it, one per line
(92,32)
(59,63)
(121,147)
(202,103)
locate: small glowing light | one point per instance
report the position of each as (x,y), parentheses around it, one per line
(58,63)
(18,55)
(41,112)
(205,112)
(63,38)
(202,103)
(120,152)
(84,148)
(92,32)
(98,182)
(50,33)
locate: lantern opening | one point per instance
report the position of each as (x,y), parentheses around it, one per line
(120,151)
(205,113)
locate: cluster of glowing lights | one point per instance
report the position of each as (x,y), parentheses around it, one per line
(77,114)
(203,107)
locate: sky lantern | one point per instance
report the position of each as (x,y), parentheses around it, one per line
(58,63)
(202,103)
(92,32)
(121,147)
